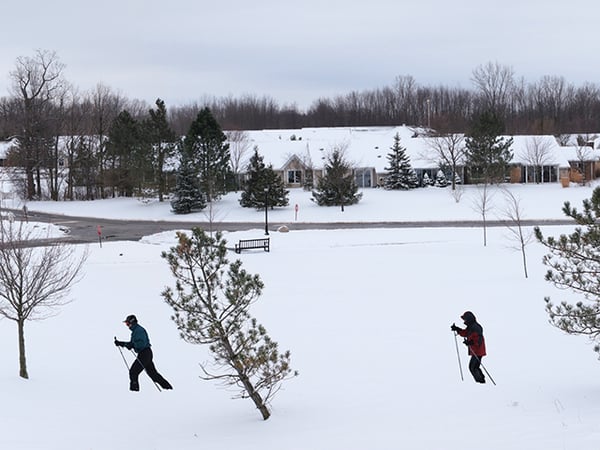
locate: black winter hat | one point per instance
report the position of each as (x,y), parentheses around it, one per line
(468,317)
(130,320)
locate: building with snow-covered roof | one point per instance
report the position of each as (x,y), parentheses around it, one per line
(295,152)
(537,159)
(299,155)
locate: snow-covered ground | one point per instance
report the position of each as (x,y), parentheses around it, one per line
(366,315)
(537,202)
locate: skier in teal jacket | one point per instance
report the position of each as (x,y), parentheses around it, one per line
(140,343)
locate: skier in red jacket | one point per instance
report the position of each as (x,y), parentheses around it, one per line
(473,334)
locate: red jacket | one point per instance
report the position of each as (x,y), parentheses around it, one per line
(476,338)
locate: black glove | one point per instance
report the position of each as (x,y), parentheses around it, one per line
(454,328)
(119,343)
(468,343)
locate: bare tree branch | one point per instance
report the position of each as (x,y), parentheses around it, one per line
(34,280)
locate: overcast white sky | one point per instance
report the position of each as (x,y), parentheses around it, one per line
(296,52)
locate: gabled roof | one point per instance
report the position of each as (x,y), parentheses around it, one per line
(369,146)
(364,146)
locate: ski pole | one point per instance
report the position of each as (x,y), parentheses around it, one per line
(458,356)
(122,356)
(138,360)
(486,371)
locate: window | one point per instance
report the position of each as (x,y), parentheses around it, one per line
(294,176)
(362,177)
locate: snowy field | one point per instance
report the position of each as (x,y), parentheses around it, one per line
(366,315)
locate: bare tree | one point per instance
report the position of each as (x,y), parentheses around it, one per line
(495,83)
(106,106)
(448,149)
(550,96)
(239,144)
(563,139)
(584,154)
(405,107)
(34,280)
(483,205)
(458,193)
(37,82)
(309,169)
(538,153)
(513,213)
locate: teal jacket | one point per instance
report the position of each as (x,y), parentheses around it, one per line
(139,339)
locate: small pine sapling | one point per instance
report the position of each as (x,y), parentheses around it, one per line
(211,301)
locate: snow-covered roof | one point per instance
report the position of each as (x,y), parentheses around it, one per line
(364,146)
(530,150)
(5,147)
(369,146)
(578,153)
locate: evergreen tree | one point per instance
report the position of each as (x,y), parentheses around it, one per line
(574,263)
(440,179)
(487,153)
(206,143)
(426,181)
(126,156)
(400,174)
(211,301)
(337,187)
(163,144)
(261,178)
(188,196)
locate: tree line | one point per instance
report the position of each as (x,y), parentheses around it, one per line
(116,145)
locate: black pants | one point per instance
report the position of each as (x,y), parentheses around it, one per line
(144,362)
(475,368)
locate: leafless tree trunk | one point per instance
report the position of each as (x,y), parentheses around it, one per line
(584,155)
(449,150)
(483,205)
(495,83)
(36,82)
(513,213)
(34,280)
(239,144)
(106,107)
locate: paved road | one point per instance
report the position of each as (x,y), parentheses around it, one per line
(85,229)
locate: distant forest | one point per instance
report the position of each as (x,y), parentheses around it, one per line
(550,105)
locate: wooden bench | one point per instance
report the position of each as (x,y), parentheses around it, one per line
(247,244)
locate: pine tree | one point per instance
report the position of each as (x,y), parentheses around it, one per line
(211,301)
(277,195)
(426,181)
(187,195)
(206,143)
(261,178)
(488,154)
(574,263)
(400,174)
(162,142)
(440,179)
(126,155)
(337,187)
